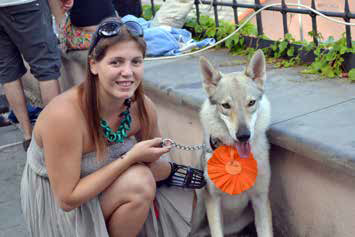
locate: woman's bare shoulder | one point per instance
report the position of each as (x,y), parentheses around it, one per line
(64,106)
(63,114)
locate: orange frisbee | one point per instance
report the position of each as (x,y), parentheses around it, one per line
(231,173)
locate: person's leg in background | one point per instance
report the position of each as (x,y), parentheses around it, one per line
(49,90)
(17,101)
(30,32)
(11,70)
(41,51)
(45,68)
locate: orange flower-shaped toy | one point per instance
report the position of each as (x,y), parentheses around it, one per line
(231,173)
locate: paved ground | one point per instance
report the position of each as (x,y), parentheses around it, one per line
(12,160)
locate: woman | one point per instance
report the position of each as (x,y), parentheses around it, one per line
(84,179)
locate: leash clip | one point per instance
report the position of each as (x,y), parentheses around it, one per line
(167,142)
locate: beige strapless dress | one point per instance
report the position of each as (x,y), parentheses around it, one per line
(44,218)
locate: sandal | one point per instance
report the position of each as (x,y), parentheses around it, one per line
(185,177)
(4,105)
(4,122)
(3,109)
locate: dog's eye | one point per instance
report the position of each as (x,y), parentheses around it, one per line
(251,103)
(226,105)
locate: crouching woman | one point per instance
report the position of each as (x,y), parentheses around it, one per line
(95,156)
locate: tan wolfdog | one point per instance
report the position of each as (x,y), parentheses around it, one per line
(236,113)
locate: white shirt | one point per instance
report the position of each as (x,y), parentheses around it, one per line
(6,3)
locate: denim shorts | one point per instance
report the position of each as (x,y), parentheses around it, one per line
(26,30)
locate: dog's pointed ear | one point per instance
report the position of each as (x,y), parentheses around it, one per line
(256,68)
(211,76)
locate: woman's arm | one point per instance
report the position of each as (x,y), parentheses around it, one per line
(61,131)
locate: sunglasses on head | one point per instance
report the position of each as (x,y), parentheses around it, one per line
(112,28)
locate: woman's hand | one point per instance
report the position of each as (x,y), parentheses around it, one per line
(147,151)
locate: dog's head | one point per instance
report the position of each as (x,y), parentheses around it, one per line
(237,98)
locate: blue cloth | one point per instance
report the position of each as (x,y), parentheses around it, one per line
(167,41)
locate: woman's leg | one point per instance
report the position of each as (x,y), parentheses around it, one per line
(126,203)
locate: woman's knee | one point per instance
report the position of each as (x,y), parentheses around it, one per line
(141,183)
(137,182)
(136,186)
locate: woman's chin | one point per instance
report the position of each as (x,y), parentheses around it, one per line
(124,94)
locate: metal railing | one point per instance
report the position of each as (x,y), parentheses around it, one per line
(284,10)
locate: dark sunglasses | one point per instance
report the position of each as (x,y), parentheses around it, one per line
(112,28)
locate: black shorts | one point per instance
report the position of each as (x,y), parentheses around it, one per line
(26,30)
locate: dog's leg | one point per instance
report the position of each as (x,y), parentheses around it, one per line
(214,215)
(262,211)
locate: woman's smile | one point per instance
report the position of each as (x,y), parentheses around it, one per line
(126,84)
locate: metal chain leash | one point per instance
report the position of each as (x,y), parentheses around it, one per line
(170,142)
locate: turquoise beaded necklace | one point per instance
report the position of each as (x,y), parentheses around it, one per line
(125,126)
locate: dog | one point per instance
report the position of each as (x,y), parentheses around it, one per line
(236,113)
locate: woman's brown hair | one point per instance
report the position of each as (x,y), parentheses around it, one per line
(88,91)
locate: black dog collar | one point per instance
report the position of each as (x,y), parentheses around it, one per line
(214,143)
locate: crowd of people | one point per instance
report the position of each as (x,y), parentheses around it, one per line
(96,163)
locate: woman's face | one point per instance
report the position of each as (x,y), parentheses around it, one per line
(121,70)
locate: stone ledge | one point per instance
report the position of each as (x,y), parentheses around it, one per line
(311,117)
